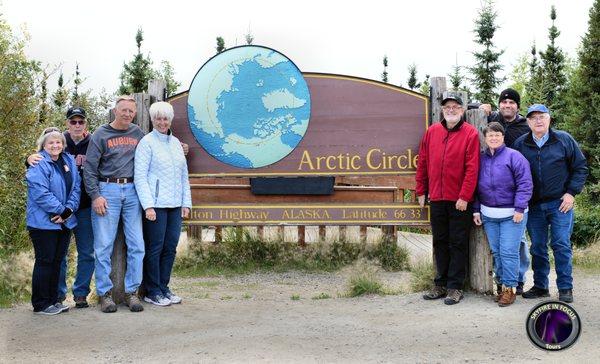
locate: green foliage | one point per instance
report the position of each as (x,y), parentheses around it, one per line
(220,45)
(425,86)
(519,78)
(139,71)
(295,297)
(391,256)
(588,258)
(19,128)
(586,230)
(422,276)
(246,253)
(412,78)
(553,66)
(582,101)
(484,73)
(363,282)
(384,75)
(321,296)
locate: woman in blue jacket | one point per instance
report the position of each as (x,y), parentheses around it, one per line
(162,185)
(53,192)
(504,189)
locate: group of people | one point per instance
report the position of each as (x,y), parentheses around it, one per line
(87,183)
(525,179)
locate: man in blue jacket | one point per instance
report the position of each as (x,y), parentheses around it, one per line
(559,172)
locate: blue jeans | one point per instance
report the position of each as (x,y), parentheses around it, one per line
(161,236)
(524,258)
(122,203)
(84,239)
(504,237)
(545,221)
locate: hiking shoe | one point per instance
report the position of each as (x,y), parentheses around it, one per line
(133,302)
(535,292)
(520,286)
(107,305)
(158,300)
(81,302)
(454,296)
(175,299)
(498,293)
(49,311)
(435,293)
(61,307)
(508,297)
(565,295)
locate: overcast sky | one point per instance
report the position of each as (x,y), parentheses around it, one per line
(344,37)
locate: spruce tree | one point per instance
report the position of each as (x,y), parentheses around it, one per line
(220,45)
(412,77)
(583,102)
(534,89)
(553,65)
(61,95)
(76,82)
(167,73)
(384,75)
(136,73)
(455,77)
(425,86)
(487,64)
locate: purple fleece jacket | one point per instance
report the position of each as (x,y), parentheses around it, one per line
(504,180)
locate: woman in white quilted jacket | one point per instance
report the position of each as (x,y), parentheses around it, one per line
(162,185)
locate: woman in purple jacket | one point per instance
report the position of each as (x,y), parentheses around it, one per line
(504,189)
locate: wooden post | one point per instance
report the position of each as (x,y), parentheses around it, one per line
(480,256)
(438,86)
(260,232)
(342,235)
(218,234)
(302,235)
(322,232)
(119,254)
(363,233)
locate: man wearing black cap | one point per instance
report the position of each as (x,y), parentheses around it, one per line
(77,138)
(514,125)
(447,171)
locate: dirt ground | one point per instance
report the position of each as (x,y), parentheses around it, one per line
(253,318)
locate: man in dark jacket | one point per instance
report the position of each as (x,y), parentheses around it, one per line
(514,125)
(447,171)
(559,172)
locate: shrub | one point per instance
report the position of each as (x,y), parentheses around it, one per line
(587,222)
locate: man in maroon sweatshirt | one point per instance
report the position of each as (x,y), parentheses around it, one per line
(447,171)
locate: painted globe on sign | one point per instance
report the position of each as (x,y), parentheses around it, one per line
(249,106)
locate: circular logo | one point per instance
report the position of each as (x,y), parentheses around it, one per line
(249,106)
(553,325)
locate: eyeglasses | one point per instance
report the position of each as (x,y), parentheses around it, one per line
(452,108)
(75,122)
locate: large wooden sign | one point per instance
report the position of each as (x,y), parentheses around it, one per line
(250,112)
(357,127)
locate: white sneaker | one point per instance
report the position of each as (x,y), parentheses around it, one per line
(157,300)
(49,311)
(173,298)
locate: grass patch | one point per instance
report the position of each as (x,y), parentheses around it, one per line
(588,258)
(422,275)
(364,281)
(295,297)
(247,296)
(226,298)
(321,296)
(245,253)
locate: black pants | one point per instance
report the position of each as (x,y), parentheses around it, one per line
(50,248)
(450,229)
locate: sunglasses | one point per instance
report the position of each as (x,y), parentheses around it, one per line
(75,122)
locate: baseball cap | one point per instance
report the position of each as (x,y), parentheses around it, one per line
(75,111)
(537,108)
(451,97)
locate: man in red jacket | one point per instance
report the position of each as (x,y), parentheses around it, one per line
(447,171)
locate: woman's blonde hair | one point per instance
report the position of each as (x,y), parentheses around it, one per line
(51,132)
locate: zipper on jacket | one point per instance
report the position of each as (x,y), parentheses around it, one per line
(443,160)
(156,192)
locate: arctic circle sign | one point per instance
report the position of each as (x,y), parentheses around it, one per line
(249,106)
